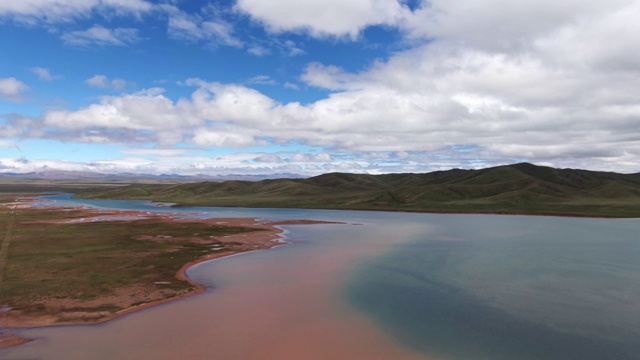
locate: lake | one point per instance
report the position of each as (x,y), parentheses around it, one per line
(388,286)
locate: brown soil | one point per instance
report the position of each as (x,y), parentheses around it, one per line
(93,311)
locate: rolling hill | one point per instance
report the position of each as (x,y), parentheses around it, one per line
(518,188)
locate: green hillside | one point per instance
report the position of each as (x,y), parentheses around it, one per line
(518,188)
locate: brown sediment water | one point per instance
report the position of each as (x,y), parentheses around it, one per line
(282,303)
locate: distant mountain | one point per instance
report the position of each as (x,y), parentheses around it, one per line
(518,188)
(56,174)
(89,175)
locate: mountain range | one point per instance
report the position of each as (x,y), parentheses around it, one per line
(517,188)
(54,174)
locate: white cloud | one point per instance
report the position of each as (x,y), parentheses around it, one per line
(258,50)
(103,82)
(502,25)
(550,88)
(7,143)
(606,42)
(23,165)
(234,139)
(118,84)
(99,81)
(100,36)
(44,74)
(262,80)
(268,158)
(305,158)
(123,7)
(156,151)
(352,167)
(334,18)
(33,11)
(401,105)
(194,27)
(270,45)
(231,103)
(140,113)
(292,49)
(328,77)
(11,89)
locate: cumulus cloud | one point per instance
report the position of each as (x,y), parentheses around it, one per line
(99,81)
(333,18)
(423,100)
(139,114)
(527,84)
(514,27)
(329,77)
(305,158)
(268,158)
(222,138)
(12,89)
(131,111)
(101,36)
(243,106)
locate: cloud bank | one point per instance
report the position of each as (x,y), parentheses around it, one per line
(542,81)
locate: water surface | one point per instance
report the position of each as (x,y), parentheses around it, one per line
(396,286)
(510,287)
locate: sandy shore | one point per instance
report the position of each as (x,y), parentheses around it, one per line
(269,236)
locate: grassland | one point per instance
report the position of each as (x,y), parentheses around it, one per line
(56,268)
(512,189)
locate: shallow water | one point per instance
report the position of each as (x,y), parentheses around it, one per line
(396,286)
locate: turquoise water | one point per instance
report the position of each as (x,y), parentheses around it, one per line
(445,286)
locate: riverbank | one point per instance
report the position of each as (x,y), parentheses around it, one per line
(155,237)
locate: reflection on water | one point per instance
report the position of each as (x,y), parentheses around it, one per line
(398,286)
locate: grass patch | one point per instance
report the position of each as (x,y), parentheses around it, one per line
(106,308)
(80,262)
(518,188)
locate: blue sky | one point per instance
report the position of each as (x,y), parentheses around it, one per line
(308,87)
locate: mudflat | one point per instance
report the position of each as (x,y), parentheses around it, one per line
(75,265)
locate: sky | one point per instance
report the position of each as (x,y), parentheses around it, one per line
(308,87)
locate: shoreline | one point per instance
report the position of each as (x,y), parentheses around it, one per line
(418,211)
(269,237)
(499,212)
